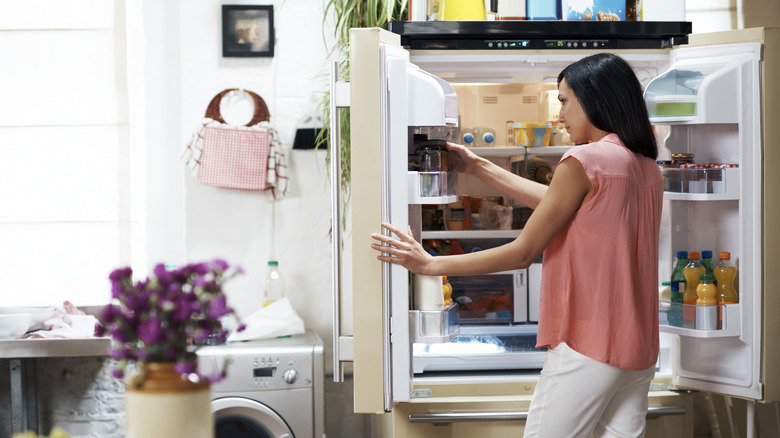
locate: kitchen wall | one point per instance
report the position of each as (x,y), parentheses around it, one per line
(192,222)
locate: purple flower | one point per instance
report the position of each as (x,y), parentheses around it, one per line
(218,307)
(156,318)
(220,264)
(186,367)
(118,334)
(150,331)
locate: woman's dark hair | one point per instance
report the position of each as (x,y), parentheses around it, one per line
(611,96)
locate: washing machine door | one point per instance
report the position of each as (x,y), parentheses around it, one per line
(236,417)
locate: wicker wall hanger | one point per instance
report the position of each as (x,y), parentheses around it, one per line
(261,109)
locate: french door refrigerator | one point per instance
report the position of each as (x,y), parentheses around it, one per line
(400,84)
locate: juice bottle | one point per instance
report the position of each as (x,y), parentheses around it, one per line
(692,272)
(706,309)
(706,261)
(705,291)
(725,273)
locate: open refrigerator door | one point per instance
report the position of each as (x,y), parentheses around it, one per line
(710,99)
(388,94)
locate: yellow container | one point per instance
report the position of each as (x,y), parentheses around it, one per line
(463,10)
(532,133)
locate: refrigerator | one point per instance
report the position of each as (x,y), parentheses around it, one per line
(425,77)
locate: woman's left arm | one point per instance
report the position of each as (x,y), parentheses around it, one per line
(569,189)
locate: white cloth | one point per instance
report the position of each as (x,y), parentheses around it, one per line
(580,397)
(67,321)
(274,320)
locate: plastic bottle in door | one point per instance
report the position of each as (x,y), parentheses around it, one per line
(273,284)
(706,309)
(725,273)
(706,261)
(678,289)
(692,272)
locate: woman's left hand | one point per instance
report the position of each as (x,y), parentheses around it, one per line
(404,251)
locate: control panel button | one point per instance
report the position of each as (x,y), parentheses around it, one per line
(290,376)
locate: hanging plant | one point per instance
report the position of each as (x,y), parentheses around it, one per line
(349,14)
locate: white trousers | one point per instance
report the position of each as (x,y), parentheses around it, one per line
(580,397)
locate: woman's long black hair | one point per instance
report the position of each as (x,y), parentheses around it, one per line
(611,96)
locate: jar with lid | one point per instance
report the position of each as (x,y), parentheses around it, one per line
(679,159)
(433,162)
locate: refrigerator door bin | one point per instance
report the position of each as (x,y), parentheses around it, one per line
(434,326)
(432,187)
(681,319)
(703,93)
(702,180)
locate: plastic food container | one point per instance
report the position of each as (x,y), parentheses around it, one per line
(665,106)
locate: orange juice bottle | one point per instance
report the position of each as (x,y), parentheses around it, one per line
(692,272)
(725,273)
(706,309)
(705,291)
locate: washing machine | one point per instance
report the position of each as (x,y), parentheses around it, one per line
(273,388)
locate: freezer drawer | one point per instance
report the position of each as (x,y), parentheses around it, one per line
(669,415)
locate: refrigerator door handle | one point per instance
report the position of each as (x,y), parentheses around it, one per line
(339,98)
(442,418)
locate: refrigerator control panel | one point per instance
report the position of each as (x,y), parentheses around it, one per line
(567,44)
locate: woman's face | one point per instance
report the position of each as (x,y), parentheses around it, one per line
(573,116)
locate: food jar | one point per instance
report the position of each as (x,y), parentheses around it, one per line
(679,159)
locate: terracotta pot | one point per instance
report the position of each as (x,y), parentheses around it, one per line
(159,402)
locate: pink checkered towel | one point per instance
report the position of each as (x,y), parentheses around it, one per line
(234,158)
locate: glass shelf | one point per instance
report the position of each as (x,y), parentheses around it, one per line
(472,234)
(505,151)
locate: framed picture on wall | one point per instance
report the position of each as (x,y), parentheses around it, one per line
(248,31)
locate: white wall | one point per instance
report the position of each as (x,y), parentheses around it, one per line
(191,222)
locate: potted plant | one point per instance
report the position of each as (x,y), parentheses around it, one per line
(157,324)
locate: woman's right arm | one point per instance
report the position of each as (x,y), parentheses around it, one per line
(523,190)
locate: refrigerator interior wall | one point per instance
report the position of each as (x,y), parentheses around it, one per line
(494,90)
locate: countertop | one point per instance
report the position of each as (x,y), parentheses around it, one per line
(53,347)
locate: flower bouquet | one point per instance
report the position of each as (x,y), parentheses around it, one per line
(165,317)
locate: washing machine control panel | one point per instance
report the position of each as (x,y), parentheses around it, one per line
(260,372)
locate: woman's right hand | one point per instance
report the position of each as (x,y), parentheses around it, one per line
(461,159)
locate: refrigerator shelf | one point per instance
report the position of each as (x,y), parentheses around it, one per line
(434,326)
(730,326)
(472,234)
(508,151)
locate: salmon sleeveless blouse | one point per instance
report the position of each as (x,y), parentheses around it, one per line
(599,290)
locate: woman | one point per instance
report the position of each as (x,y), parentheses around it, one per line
(597,224)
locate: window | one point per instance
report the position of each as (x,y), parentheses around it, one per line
(711,15)
(71,176)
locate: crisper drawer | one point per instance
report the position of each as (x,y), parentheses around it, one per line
(500,298)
